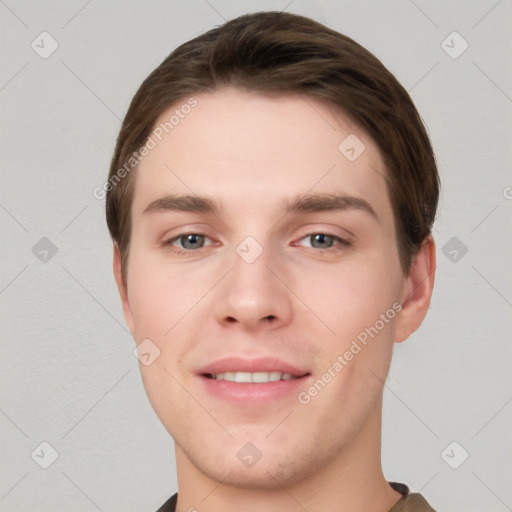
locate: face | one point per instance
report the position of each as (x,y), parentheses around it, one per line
(281,263)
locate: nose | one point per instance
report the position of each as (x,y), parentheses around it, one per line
(253,295)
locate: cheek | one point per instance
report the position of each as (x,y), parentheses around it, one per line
(349,298)
(356,303)
(150,306)
(163,298)
(152,301)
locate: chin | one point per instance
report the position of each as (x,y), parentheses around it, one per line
(265,475)
(278,465)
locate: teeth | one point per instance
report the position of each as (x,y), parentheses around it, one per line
(253,377)
(242,377)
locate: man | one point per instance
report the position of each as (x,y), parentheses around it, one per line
(270,199)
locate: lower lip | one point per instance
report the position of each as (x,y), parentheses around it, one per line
(253,393)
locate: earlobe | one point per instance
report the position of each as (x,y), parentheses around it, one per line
(417,291)
(122,288)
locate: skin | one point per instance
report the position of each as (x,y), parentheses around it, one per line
(296,301)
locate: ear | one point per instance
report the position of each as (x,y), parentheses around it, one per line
(122,287)
(417,291)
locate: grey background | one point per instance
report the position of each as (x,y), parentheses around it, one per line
(68,375)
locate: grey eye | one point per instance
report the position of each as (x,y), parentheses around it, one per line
(190,241)
(321,239)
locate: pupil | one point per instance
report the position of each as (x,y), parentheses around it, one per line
(191,240)
(322,238)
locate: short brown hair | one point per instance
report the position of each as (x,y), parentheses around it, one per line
(277,52)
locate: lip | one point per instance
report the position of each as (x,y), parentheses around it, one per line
(252,393)
(262,364)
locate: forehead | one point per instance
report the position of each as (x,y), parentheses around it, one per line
(250,152)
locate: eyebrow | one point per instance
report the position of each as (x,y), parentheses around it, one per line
(301,203)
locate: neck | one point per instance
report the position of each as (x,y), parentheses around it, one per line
(352,482)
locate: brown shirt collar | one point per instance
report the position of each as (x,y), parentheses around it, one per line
(408,503)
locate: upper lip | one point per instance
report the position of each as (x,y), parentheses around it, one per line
(262,364)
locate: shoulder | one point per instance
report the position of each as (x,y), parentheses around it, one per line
(169,505)
(412,503)
(409,503)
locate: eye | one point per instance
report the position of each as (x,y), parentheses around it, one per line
(190,242)
(326,241)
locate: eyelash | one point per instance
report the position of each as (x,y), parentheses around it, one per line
(189,252)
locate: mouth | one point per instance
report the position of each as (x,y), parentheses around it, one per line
(258,377)
(254,382)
